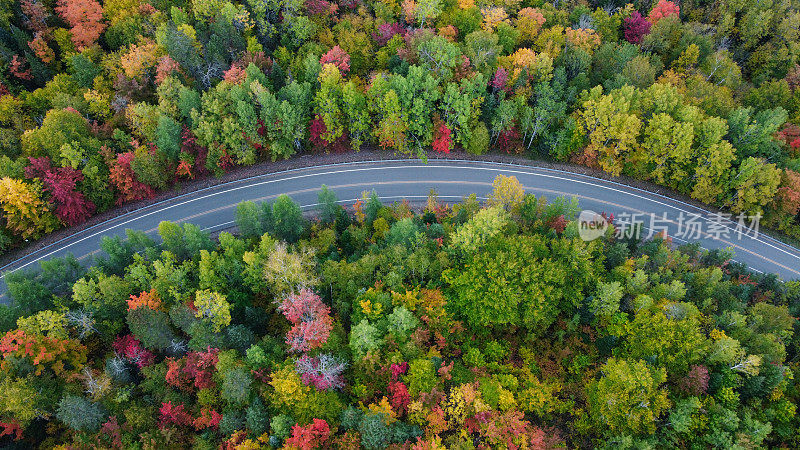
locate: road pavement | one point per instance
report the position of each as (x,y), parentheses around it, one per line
(213,208)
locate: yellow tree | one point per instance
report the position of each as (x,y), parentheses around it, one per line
(26,213)
(507,193)
(610,126)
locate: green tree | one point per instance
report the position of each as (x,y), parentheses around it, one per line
(288,223)
(519,281)
(628,398)
(754,186)
(327,205)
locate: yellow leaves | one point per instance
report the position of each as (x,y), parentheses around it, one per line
(384,408)
(716,334)
(288,387)
(493,16)
(25,212)
(507,192)
(214,307)
(466,4)
(540,398)
(330,75)
(409,299)
(506,401)
(529,22)
(139,59)
(369,310)
(44,323)
(610,126)
(585,39)
(409,10)
(687,60)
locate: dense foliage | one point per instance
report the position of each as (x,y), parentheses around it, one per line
(104,102)
(457,327)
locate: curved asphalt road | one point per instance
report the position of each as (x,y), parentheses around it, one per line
(213,208)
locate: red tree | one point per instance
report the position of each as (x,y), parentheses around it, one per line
(442,141)
(36,15)
(72,207)
(790,135)
(636,27)
(386,32)
(321,7)
(86,19)
(696,381)
(131,349)
(311,436)
(126,182)
(192,157)
(200,366)
(399,397)
(338,58)
(789,192)
(500,79)
(174,414)
(664,8)
(17,68)
(311,319)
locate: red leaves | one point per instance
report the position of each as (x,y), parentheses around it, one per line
(208,419)
(399,397)
(558,223)
(636,27)
(500,79)
(696,381)
(442,140)
(86,19)
(789,193)
(72,207)
(321,7)
(130,348)
(322,372)
(338,58)
(16,69)
(36,15)
(510,141)
(201,367)
(145,299)
(177,415)
(311,436)
(664,8)
(386,32)
(317,129)
(192,157)
(11,428)
(311,319)
(398,369)
(174,414)
(126,182)
(60,355)
(790,135)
